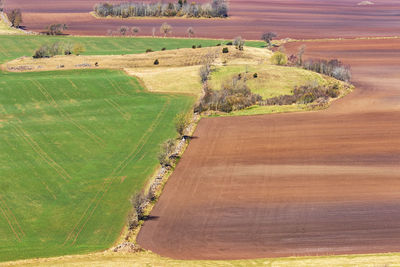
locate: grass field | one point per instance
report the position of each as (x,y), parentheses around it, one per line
(75,145)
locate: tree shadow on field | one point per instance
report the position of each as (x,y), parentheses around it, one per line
(187,137)
(150,218)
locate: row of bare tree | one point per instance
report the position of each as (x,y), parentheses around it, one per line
(165,29)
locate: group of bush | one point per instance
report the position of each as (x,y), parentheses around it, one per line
(307,94)
(235,95)
(215,8)
(58,48)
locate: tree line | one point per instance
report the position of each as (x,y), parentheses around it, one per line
(213,9)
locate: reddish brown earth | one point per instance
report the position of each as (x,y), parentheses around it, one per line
(289,18)
(316,183)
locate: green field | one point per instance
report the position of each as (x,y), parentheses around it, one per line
(12,47)
(75,145)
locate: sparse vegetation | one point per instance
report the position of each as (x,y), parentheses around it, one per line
(212,9)
(225,50)
(156,62)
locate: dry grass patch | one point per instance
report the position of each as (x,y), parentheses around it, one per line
(184,80)
(169,58)
(151,259)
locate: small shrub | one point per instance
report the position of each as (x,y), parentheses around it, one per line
(181,121)
(225,50)
(255,75)
(229,43)
(279,58)
(204,72)
(199,46)
(163,49)
(193,46)
(148,50)
(166,151)
(218,45)
(156,62)
(78,49)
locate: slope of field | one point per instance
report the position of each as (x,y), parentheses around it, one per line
(5,27)
(318,183)
(75,145)
(309,18)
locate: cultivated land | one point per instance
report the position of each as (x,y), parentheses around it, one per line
(322,183)
(317,183)
(309,18)
(89,136)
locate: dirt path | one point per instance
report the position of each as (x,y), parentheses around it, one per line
(315,183)
(309,18)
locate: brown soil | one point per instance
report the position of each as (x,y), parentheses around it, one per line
(296,19)
(316,183)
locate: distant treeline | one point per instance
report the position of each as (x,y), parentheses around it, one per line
(213,9)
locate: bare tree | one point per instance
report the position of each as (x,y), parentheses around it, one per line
(300,54)
(154,32)
(267,37)
(15,17)
(239,43)
(190,32)
(135,30)
(165,29)
(123,30)
(109,32)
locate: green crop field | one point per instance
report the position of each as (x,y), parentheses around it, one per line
(75,145)
(12,47)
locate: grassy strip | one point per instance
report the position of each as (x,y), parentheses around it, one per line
(151,259)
